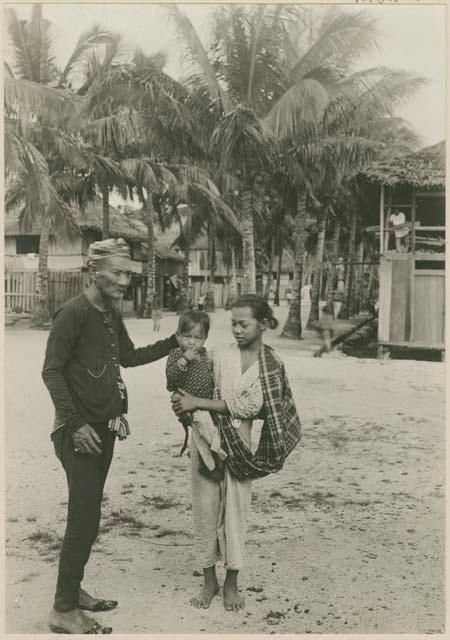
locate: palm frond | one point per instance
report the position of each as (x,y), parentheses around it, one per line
(299,109)
(370,94)
(17,37)
(39,195)
(142,173)
(216,207)
(26,99)
(88,40)
(199,55)
(242,141)
(342,39)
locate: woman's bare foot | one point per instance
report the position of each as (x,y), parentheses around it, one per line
(209,590)
(232,601)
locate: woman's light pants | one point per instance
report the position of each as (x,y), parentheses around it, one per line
(220,516)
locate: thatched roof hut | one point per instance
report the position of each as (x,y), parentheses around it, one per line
(422,169)
(123,224)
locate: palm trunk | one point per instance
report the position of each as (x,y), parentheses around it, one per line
(315,290)
(270,267)
(150,266)
(184,298)
(357,289)
(279,267)
(334,250)
(40,315)
(106,226)
(248,243)
(345,308)
(293,325)
(233,278)
(367,297)
(259,275)
(210,303)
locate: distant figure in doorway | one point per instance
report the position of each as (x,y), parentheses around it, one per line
(398,221)
(288,297)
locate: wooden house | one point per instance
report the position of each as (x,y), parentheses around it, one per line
(67,259)
(199,273)
(411,233)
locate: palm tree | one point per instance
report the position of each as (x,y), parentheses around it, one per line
(326,113)
(30,106)
(152,181)
(234,75)
(45,121)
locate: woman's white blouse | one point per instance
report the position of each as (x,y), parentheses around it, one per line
(242,392)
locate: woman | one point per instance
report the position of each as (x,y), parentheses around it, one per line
(250,383)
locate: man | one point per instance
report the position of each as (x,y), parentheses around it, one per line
(398,221)
(87,344)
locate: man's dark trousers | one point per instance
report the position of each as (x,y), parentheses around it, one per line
(86,476)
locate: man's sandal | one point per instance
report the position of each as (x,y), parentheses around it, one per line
(101,605)
(95,629)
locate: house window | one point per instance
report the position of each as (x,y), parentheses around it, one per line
(136,251)
(202,259)
(27,244)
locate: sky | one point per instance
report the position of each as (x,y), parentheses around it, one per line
(412,38)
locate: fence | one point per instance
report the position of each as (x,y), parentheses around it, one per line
(63,285)
(20,288)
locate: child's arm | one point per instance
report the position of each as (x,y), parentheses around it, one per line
(185,402)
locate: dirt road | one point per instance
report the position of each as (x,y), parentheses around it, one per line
(348,538)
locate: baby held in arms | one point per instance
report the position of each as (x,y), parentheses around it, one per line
(189,369)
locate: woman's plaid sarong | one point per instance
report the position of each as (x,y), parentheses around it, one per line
(281,430)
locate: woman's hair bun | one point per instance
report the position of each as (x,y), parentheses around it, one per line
(260,308)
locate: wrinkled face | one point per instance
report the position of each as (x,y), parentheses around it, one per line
(246,328)
(193,338)
(112,276)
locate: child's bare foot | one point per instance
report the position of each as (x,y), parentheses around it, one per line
(209,590)
(232,601)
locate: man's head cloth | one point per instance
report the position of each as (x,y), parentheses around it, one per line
(112,247)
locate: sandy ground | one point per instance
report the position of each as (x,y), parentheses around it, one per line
(348,538)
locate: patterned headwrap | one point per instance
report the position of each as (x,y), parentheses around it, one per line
(108,248)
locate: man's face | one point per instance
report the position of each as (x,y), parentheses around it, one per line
(112,276)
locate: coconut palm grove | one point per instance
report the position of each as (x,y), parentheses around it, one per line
(264,139)
(174,160)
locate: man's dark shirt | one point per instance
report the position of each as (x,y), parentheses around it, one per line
(81,370)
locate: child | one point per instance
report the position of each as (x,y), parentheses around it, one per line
(188,368)
(156,314)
